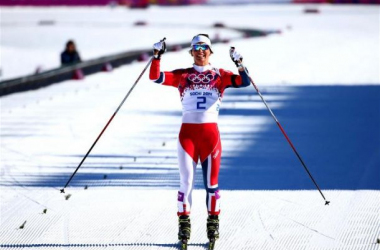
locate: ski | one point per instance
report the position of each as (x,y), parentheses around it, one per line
(211,244)
(183,243)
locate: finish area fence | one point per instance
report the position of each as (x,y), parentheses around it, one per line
(146,3)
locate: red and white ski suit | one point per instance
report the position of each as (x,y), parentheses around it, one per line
(201,90)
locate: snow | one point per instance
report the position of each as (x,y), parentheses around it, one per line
(120,218)
(320,77)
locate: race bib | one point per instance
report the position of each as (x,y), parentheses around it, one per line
(201,100)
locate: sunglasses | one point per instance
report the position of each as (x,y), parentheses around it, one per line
(200,47)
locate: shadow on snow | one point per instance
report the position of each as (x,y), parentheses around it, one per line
(336,130)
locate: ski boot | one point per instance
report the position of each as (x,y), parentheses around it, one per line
(184,230)
(212,230)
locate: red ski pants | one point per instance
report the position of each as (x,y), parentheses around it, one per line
(199,142)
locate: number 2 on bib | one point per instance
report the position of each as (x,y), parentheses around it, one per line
(201,100)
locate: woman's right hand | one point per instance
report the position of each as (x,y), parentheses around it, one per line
(159,48)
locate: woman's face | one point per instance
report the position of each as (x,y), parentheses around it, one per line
(201,54)
(71,47)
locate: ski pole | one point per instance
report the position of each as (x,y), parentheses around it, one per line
(282,129)
(108,123)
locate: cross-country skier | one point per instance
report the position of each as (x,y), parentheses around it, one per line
(201,90)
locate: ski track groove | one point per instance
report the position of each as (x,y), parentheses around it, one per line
(115,225)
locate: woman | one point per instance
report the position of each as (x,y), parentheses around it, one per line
(201,89)
(70,55)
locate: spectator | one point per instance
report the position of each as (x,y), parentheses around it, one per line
(70,55)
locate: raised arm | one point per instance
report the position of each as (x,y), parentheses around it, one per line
(156,75)
(232,80)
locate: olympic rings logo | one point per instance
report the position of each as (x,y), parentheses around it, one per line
(201,78)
